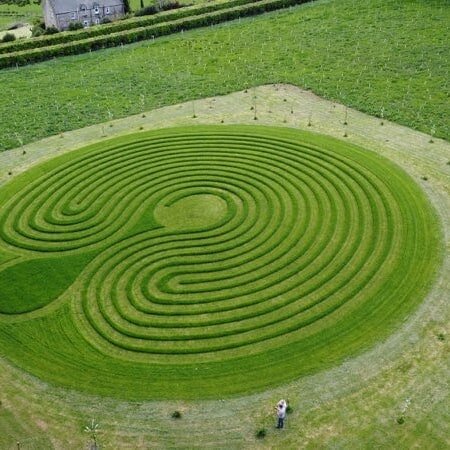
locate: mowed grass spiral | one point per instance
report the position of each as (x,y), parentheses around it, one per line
(208,261)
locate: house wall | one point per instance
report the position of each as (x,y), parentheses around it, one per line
(87,17)
(49,16)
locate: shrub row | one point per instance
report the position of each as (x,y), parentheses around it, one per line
(142,33)
(156,8)
(122,25)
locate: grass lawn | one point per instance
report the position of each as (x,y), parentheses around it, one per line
(11,14)
(350,51)
(199,256)
(357,403)
(387,58)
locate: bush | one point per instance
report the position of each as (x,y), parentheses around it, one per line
(38,29)
(170,5)
(51,30)
(8,37)
(261,433)
(147,11)
(75,26)
(37,32)
(176,415)
(156,8)
(159,26)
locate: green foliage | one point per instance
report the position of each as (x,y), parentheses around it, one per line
(146,11)
(156,8)
(51,30)
(261,433)
(218,260)
(37,30)
(8,37)
(73,26)
(126,6)
(21,3)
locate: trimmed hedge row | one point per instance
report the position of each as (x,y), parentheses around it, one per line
(122,25)
(142,33)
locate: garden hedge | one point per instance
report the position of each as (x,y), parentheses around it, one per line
(121,25)
(146,30)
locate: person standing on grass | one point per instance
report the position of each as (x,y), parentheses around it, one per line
(281,413)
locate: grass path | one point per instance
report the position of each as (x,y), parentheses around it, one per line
(270,254)
(355,404)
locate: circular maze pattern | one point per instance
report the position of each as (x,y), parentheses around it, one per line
(216,244)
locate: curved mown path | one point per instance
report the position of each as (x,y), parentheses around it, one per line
(373,386)
(211,260)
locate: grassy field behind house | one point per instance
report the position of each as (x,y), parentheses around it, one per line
(350,51)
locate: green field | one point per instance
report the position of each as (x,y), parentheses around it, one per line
(333,290)
(350,51)
(11,14)
(247,256)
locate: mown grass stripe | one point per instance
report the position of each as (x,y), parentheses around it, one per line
(309,237)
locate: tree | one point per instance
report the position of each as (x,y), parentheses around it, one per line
(20,2)
(126,6)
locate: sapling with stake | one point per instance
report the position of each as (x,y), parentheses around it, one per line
(255,117)
(433,131)
(401,418)
(19,139)
(92,428)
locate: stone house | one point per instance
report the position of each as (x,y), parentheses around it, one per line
(60,13)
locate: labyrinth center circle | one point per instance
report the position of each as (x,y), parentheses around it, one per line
(191,211)
(241,250)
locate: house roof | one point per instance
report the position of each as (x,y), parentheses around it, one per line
(65,6)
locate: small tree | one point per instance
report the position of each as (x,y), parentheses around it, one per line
(92,429)
(126,6)
(51,30)
(75,26)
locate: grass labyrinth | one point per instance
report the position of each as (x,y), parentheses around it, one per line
(207,261)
